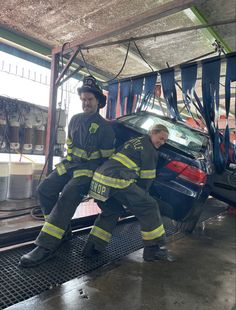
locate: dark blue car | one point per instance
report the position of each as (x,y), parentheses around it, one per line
(184,171)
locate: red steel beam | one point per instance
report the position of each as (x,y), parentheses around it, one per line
(51,124)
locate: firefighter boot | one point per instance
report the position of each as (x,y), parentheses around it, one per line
(90,249)
(156,252)
(36,257)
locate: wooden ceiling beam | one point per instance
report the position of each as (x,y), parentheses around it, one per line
(130,23)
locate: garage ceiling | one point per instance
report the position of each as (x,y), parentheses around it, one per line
(40,26)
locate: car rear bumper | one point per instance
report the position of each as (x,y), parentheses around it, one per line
(176,200)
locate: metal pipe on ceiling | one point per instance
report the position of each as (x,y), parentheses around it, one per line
(158,34)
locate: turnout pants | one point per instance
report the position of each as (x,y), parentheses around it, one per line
(141,204)
(59,208)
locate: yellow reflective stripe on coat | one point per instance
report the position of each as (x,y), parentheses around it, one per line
(69,158)
(126,161)
(100,233)
(68,141)
(83,154)
(94,155)
(147,174)
(53,230)
(78,152)
(107,153)
(112,182)
(97,196)
(156,233)
(61,169)
(82,172)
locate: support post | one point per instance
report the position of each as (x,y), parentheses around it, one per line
(51,125)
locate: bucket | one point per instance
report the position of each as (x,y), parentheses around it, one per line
(37,171)
(20,181)
(4,179)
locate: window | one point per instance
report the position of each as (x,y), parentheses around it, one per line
(180,135)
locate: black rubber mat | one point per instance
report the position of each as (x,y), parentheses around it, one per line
(18,284)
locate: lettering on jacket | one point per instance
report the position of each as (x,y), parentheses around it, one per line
(135,143)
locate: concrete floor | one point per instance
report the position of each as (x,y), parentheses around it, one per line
(202,278)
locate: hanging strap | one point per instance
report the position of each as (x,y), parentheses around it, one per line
(230,77)
(218,157)
(169,91)
(210,86)
(112,100)
(124,93)
(188,77)
(137,86)
(210,95)
(149,87)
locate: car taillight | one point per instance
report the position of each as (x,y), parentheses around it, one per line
(187,172)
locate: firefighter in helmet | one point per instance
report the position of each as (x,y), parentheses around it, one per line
(90,142)
(124,180)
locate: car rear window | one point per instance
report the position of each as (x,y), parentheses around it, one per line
(180,135)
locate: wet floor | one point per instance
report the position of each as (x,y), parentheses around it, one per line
(202,278)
